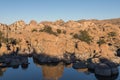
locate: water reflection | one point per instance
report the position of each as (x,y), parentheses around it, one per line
(85,70)
(24,66)
(59,71)
(2,70)
(53,71)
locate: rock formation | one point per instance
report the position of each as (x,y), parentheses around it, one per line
(85,40)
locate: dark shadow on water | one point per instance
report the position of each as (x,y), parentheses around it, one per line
(114,77)
(45,63)
(15,67)
(24,66)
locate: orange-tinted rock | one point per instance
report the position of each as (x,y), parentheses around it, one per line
(59,39)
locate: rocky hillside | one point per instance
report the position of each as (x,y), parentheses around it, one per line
(84,38)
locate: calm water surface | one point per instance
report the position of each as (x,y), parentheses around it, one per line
(36,71)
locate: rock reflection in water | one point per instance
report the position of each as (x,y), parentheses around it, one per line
(82,70)
(2,70)
(54,71)
(51,71)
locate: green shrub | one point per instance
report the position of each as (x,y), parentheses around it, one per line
(71,33)
(1,34)
(58,31)
(7,40)
(76,36)
(83,36)
(48,29)
(34,30)
(4,40)
(64,32)
(12,41)
(101,41)
(112,34)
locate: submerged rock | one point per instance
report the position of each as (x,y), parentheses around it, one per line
(102,70)
(79,65)
(91,66)
(113,67)
(106,69)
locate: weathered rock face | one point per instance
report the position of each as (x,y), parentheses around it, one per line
(19,25)
(106,52)
(87,39)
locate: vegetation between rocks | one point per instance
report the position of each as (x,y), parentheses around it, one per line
(100,42)
(58,31)
(34,30)
(7,40)
(49,30)
(83,36)
(112,34)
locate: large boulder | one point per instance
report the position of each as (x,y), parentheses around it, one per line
(106,69)
(114,67)
(103,69)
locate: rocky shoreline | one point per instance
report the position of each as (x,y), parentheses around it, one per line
(103,68)
(92,44)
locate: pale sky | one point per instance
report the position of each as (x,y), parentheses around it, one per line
(51,10)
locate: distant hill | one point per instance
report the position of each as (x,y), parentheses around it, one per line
(115,21)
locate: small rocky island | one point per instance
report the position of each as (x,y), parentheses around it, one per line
(92,44)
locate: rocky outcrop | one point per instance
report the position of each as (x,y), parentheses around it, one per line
(85,39)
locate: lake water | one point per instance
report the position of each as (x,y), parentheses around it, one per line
(36,71)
